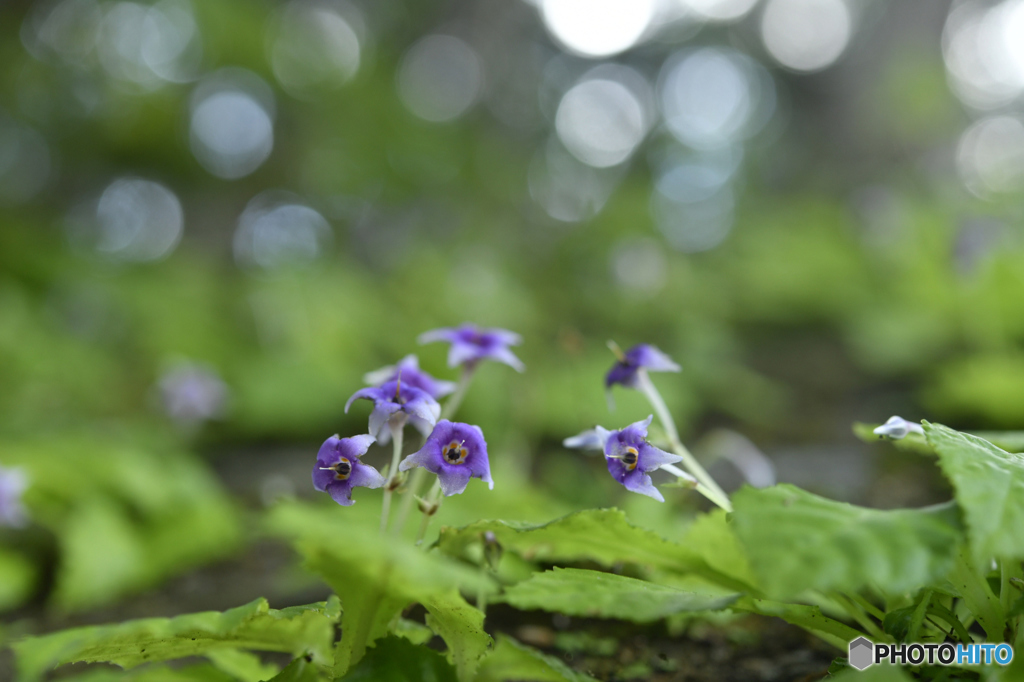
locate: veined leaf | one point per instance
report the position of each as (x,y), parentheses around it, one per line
(798,541)
(376,578)
(600,535)
(461,626)
(578,592)
(989,486)
(394,659)
(809,618)
(511,660)
(297,630)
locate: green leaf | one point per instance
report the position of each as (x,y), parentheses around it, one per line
(989,486)
(712,538)
(876,673)
(300,670)
(603,536)
(578,592)
(394,659)
(17,579)
(417,633)
(461,626)
(242,665)
(296,630)
(374,579)
(809,618)
(511,661)
(798,541)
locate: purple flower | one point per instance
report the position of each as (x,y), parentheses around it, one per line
(12,485)
(642,356)
(456,452)
(470,345)
(395,402)
(628,454)
(192,393)
(338,468)
(408,370)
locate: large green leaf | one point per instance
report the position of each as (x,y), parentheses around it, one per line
(461,626)
(603,536)
(989,487)
(798,541)
(511,661)
(296,630)
(579,592)
(809,618)
(394,659)
(376,577)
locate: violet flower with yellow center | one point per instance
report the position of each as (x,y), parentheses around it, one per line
(456,452)
(395,403)
(471,344)
(338,469)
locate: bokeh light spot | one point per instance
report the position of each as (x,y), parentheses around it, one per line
(806,35)
(440,78)
(314,46)
(275,230)
(232,127)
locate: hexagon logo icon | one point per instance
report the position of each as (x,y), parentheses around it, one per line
(862,653)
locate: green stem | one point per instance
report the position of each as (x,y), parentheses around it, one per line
(433,498)
(867,606)
(448,410)
(717,495)
(396,456)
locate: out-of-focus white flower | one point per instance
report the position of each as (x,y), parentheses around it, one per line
(897,428)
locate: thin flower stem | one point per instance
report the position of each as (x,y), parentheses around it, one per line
(448,411)
(396,456)
(717,495)
(697,485)
(433,498)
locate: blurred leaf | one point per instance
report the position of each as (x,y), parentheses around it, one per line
(417,633)
(511,661)
(798,541)
(913,442)
(300,670)
(394,659)
(876,673)
(989,486)
(809,618)
(18,578)
(461,626)
(296,630)
(578,592)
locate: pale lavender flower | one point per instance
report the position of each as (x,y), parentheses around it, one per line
(630,457)
(394,403)
(642,356)
(471,344)
(408,370)
(455,452)
(898,428)
(192,393)
(12,484)
(338,468)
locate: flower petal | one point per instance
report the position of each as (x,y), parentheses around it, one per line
(651,457)
(434,335)
(322,477)
(506,356)
(461,353)
(639,482)
(592,439)
(651,358)
(369,393)
(354,447)
(454,480)
(365,476)
(428,457)
(341,492)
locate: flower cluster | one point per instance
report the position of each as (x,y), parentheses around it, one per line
(404,394)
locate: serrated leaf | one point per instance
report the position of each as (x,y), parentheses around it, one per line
(798,541)
(511,661)
(375,578)
(300,670)
(255,626)
(394,659)
(461,626)
(242,665)
(988,484)
(579,592)
(809,618)
(603,536)
(417,633)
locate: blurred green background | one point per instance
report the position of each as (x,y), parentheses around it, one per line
(216,216)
